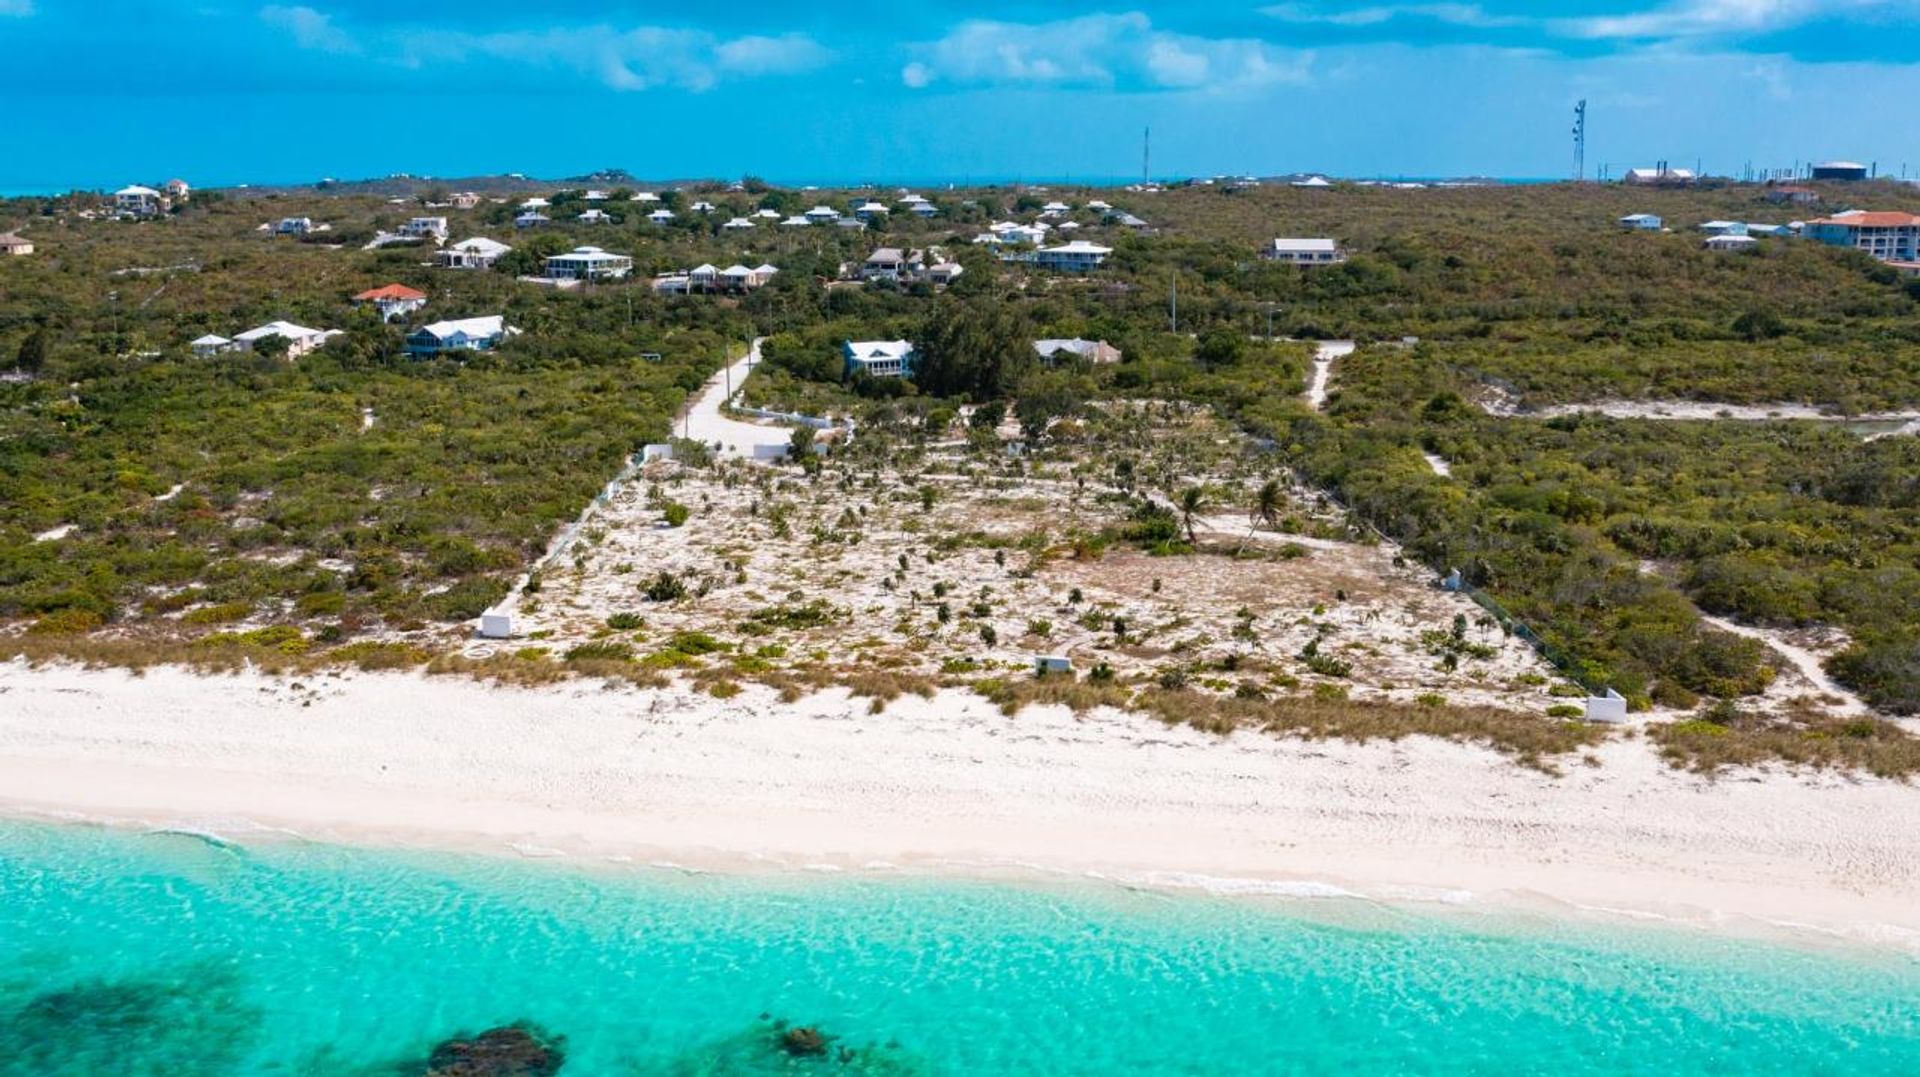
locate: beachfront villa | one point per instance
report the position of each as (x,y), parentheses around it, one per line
(463,334)
(425,228)
(138,201)
(880,358)
(588,263)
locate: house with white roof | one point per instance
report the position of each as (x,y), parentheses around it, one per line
(293,226)
(822,214)
(588,263)
(867,211)
(465,199)
(1055,209)
(1304,252)
(137,200)
(1642,222)
(767,213)
(594,216)
(660,216)
(880,358)
(703,276)
(644,196)
(595,196)
(1078,256)
(702,207)
(892,264)
(424,227)
(210,345)
(11,244)
(1731,241)
(1724,228)
(795,222)
(531,219)
(1098,206)
(536,202)
(463,334)
(1661,176)
(738,223)
(300,340)
(1052,352)
(476,253)
(177,190)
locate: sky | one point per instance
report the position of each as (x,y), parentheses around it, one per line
(98,93)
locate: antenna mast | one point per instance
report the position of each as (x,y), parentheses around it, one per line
(1580,141)
(1146,157)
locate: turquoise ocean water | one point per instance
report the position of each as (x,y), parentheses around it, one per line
(159,954)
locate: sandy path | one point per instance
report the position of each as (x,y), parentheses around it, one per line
(949,785)
(1323,356)
(1804,661)
(706,422)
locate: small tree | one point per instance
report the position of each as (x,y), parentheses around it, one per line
(1194,501)
(33,353)
(800,445)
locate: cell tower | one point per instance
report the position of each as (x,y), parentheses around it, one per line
(1580,141)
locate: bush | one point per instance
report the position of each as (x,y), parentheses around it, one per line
(600,651)
(624,622)
(675,513)
(664,587)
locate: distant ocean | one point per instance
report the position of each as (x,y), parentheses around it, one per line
(161,954)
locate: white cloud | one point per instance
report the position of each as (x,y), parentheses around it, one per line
(1109,50)
(637,58)
(786,54)
(310,29)
(1455,14)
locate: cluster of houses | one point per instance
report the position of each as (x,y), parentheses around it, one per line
(899,265)
(1893,238)
(899,358)
(393,302)
(707,279)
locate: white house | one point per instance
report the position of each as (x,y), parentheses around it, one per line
(1055,209)
(177,190)
(1658,177)
(738,223)
(644,196)
(536,202)
(300,340)
(702,207)
(531,219)
(293,226)
(424,227)
(795,222)
(137,200)
(893,264)
(867,211)
(1079,256)
(476,253)
(11,244)
(673,284)
(1731,242)
(880,358)
(588,263)
(596,196)
(1304,252)
(1642,222)
(463,334)
(1724,228)
(465,199)
(594,216)
(392,300)
(822,214)
(703,276)
(660,216)
(767,214)
(210,345)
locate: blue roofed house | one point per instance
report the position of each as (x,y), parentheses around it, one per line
(880,358)
(464,334)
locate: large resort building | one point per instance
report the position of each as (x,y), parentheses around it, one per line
(1890,237)
(588,263)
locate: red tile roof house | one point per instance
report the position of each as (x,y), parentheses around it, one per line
(392,301)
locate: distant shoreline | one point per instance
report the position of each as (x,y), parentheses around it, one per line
(949,786)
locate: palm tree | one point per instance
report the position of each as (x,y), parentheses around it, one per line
(1194,500)
(1267,504)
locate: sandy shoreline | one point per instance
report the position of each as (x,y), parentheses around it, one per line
(950,785)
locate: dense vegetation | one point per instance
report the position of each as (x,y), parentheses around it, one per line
(468,467)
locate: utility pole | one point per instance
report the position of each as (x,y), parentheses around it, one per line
(1146,157)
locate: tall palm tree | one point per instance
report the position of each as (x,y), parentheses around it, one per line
(1194,500)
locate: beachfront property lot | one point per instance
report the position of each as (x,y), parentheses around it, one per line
(968,560)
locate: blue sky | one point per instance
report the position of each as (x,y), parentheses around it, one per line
(100,92)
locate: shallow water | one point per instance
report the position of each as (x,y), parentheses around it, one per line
(131,953)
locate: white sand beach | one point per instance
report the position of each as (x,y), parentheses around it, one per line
(949,785)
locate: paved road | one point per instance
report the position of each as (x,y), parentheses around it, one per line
(736,437)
